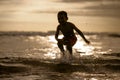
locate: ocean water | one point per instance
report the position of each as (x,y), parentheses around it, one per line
(35,56)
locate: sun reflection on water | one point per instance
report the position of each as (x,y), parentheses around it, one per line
(46,47)
(50,50)
(80,48)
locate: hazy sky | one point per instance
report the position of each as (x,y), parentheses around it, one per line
(40,15)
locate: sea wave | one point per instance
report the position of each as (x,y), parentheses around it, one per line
(19,33)
(17,65)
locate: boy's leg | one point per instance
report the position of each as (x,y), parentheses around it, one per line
(60,45)
(70,42)
(69,48)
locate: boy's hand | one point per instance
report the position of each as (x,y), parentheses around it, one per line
(88,42)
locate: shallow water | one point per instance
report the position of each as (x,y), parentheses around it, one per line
(35,56)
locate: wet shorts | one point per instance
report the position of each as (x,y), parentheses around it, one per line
(69,40)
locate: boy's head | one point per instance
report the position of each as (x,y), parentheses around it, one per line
(62,17)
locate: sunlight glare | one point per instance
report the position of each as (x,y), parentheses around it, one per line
(80,46)
(50,55)
(53,41)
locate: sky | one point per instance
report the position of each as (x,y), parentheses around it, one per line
(41,15)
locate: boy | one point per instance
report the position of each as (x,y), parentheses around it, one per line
(67,29)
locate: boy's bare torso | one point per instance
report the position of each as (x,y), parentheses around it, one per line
(67,29)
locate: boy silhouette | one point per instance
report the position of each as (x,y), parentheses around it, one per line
(67,29)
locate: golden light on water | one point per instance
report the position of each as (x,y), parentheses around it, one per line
(83,48)
(80,48)
(45,47)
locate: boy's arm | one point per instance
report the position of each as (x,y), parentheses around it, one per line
(56,34)
(81,34)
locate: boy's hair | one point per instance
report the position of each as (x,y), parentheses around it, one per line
(63,13)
